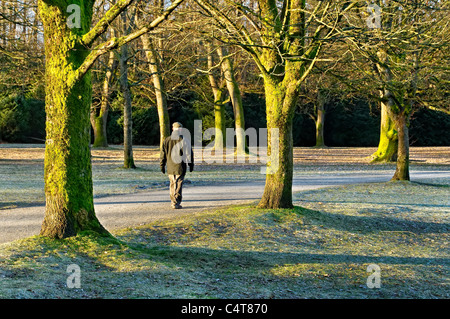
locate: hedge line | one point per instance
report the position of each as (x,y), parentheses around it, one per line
(347,123)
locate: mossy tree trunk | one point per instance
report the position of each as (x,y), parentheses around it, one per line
(155,69)
(99,116)
(387,147)
(236,99)
(69,56)
(280,106)
(398,108)
(160,93)
(67,166)
(398,69)
(282,80)
(401,120)
(320,118)
(285,52)
(219,121)
(219,103)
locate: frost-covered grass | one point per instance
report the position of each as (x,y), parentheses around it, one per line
(22,169)
(319,249)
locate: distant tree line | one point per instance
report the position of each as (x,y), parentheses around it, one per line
(353,123)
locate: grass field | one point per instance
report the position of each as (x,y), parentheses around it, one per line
(320,249)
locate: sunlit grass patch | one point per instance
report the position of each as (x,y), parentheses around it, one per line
(236,227)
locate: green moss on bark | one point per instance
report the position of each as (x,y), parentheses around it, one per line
(279,108)
(67,165)
(100,139)
(219,122)
(387,147)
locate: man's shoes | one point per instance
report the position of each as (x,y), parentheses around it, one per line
(176,206)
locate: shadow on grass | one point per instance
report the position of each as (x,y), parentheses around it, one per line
(193,258)
(372,224)
(431,184)
(180,272)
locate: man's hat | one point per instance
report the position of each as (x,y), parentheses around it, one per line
(177,125)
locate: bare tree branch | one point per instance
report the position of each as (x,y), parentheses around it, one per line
(101,26)
(114,43)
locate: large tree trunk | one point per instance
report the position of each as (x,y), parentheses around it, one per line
(67,166)
(285,52)
(219,105)
(320,119)
(236,100)
(99,118)
(278,187)
(158,83)
(219,123)
(128,160)
(402,169)
(399,114)
(387,147)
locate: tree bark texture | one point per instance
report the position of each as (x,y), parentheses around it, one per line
(99,118)
(128,160)
(402,168)
(387,147)
(67,165)
(320,119)
(219,103)
(282,80)
(278,187)
(399,111)
(158,82)
(219,122)
(236,100)
(69,57)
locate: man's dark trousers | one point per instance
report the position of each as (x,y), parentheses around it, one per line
(176,188)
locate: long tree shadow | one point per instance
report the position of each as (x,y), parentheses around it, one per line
(191,271)
(371,224)
(195,257)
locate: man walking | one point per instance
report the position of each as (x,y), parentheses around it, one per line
(176,152)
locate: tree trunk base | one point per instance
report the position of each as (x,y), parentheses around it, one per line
(400,176)
(274,204)
(385,156)
(64,224)
(129,166)
(276,196)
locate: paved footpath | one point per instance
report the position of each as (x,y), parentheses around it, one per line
(121,211)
